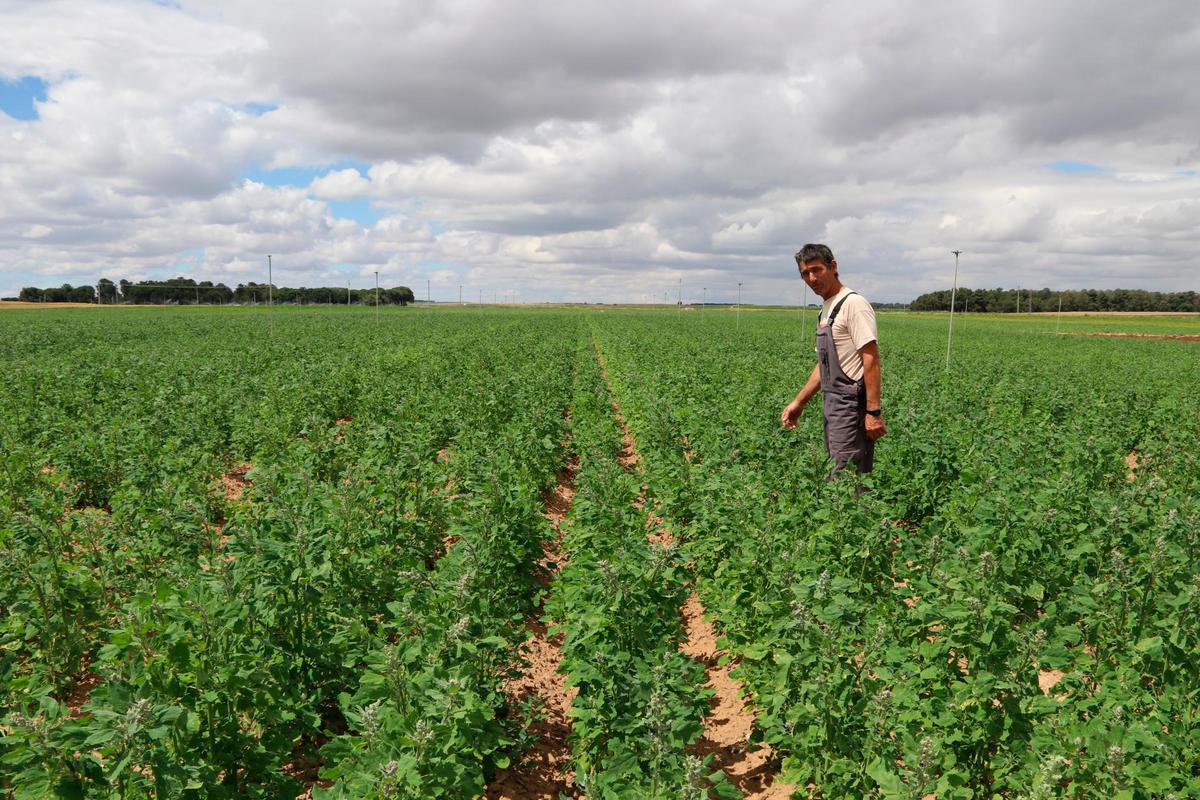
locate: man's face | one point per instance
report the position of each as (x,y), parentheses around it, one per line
(820,278)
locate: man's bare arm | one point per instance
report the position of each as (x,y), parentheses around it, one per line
(793,409)
(872,377)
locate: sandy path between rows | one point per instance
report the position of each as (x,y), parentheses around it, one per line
(729,723)
(545,771)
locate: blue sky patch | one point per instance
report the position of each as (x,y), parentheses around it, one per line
(300,176)
(360,210)
(257,109)
(1076,167)
(17,97)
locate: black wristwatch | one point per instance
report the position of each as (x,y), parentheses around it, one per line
(875,412)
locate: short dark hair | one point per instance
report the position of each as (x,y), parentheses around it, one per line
(814,252)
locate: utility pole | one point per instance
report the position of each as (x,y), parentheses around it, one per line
(681,296)
(739,306)
(953,296)
(704,301)
(803,311)
(270,295)
(376,295)
(1058,322)
(347,294)
(460,294)
(427,295)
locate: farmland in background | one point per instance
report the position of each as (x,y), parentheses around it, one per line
(266,553)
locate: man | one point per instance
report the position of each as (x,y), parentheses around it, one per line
(847,372)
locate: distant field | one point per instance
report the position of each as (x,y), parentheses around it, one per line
(10,304)
(1079,322)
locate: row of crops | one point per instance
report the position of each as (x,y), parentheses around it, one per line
(254,556)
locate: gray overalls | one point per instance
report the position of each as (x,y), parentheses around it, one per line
(844,402)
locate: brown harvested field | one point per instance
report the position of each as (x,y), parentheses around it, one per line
(20,304)
(1177,337)
(1120,313)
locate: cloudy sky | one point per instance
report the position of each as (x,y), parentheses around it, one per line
(601,151)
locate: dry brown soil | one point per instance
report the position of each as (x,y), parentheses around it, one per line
(1134,461)
(728,725)
(544,771)
(729,722)
(1178,337)
(235,481)
(21,304)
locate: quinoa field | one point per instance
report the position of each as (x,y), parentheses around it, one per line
(565,552)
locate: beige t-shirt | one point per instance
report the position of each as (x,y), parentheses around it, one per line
(853,329)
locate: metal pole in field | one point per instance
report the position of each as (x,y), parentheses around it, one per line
(1018,299)
(481,297)
(804,313)
(347,294)
(953,297)
(681,295)
(460,294)
(704,301)
(739,306)
(376,295)
(270,295)
(427,295)
(1058,321)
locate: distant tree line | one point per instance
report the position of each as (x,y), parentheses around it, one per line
(187,292)
(1005,300)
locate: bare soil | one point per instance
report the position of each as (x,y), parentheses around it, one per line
(80,692)
(305,765)
(1178,337)
(22,304)
(728,725)
(235,481)
(729,722)
(1134,461)
(1048,679)
(629,455)
(1123,313)
(544,772)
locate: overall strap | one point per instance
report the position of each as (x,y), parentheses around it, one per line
(833,314)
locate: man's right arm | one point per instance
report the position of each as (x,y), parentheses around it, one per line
(794,408)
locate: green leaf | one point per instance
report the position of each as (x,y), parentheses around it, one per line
(887,780)
(1151,645)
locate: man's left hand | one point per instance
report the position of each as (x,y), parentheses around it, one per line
(876,427)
